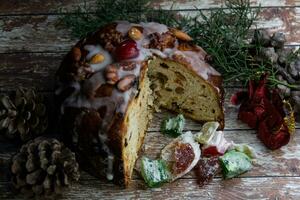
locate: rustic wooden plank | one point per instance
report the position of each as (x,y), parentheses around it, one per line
(208,4)
(37,7)
(16,7)
(43,33)
(27,69)
(240,188)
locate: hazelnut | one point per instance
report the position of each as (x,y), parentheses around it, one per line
(112,78)
(111,74)
(135,33)
(128,66)
(98,58)
(181,35)
(76,54)
(126,83)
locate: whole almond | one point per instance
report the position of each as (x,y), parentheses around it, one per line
(134,33)
(76,54)
(98,58)
(181,35)
(126,83)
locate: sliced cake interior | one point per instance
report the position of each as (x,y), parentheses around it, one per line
(179,89)
(135,126)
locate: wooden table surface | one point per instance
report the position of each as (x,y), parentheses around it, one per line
(32,44)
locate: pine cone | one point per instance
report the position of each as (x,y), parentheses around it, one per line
(43,168)
(22,115)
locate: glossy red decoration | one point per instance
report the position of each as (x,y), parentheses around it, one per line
(126,50)
(211,151)
(184,156)
(262,109)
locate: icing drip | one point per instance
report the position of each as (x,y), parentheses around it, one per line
(93,50)
(110,157)
(197,63)
(153,27)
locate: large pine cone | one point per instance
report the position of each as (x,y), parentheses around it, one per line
(43,168)
(23,115)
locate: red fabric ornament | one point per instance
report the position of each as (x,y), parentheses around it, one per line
(262,109)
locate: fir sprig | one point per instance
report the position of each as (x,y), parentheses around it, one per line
(222,32)
(88,18)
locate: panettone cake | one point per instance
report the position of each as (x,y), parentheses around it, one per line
(112,81)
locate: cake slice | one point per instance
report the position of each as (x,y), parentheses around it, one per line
(111,82)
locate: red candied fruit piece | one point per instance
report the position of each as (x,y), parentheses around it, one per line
(206,169)
(126,50)
(211,151)
(184,156)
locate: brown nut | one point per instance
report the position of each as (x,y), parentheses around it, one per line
(111,74)
(76,54)
(112,78)
(111,68)
(181,35)
(128,66)
(126,83)
(105,90)
(98,58)
(134,33)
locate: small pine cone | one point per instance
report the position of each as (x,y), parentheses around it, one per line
(23,115)
(43,168)
(278,40)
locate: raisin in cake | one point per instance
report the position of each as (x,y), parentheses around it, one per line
(111,81)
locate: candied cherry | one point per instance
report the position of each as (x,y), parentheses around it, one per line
(126,50)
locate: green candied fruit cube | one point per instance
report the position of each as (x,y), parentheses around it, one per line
(154,172)
(234,163)
(173,126)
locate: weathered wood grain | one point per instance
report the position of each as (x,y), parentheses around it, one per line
(44,33)
(208,4)
(27,69)
(16,7)
(262,188)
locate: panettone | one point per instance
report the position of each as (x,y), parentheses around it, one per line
(112,81)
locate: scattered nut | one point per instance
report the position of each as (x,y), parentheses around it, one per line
(181,35)
(135,33)
(76,54)
(128,66)
(111,74)
(98,58)
(104,90)
(187,47)
(111,68)
(112,78)
(126,83)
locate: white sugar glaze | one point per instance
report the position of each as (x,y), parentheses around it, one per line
(118,101)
